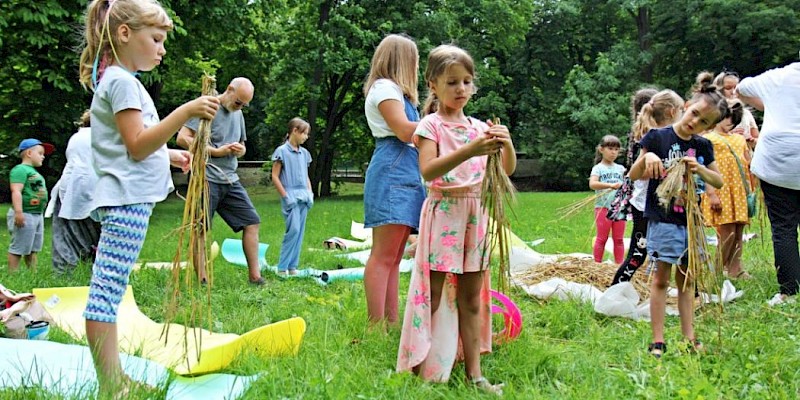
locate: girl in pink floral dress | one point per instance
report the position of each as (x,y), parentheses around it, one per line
(447,313)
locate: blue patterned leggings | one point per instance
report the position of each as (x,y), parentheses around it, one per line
(122,234)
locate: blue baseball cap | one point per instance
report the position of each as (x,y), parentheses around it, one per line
(26,144)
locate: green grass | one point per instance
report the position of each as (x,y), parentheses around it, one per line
(565,350)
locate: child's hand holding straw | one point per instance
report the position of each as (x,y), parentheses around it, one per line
(653,167)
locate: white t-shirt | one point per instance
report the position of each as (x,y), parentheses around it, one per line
(639,194)
(776,159)
(381,90)
(77,183)
(748,123)
(121,179)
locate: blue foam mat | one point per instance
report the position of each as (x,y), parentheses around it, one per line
(67,369)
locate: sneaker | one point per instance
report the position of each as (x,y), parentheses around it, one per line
(779,299)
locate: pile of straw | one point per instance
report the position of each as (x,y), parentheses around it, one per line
(586,271)
(497,192)
(581,270)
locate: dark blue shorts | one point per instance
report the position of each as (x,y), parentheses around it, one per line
(233,205)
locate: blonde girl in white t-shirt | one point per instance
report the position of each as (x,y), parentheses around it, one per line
(393,190)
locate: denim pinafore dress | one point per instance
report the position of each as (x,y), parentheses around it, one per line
(393,188)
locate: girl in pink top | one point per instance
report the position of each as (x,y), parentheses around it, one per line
(448,297)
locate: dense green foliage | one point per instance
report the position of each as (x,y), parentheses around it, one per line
(558,72)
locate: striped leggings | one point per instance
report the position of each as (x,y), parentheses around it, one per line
(122,233)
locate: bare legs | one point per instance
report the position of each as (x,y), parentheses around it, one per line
(250,247)
(468,296)
(730,247)
(14,259)
(382,272)
(658,300)
(102,338)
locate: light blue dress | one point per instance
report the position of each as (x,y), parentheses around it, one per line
(296,203)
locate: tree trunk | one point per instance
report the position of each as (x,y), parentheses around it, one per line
(315,169)
(338,89)
(642,18)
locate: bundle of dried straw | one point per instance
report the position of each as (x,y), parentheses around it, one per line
(497,192)
(195,214)
(701,268)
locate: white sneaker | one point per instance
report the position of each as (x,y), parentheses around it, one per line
(779,299)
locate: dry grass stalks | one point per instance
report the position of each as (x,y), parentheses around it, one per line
(671,188)
(574,208)
(497,193)
(184,300)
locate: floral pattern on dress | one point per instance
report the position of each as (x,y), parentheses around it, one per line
(451,240)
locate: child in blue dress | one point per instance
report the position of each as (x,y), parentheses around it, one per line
(290,164)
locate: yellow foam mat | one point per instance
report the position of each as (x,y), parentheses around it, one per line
(141,336)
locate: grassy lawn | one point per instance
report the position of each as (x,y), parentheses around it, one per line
(565,350)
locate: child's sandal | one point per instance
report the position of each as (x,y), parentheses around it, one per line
(657,349)
(483,384)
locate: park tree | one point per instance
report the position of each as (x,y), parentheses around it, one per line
(40,96)
(327,47)
(558,72)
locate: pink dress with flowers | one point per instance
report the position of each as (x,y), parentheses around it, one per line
(451,239)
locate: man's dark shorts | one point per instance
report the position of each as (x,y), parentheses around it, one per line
(233,205)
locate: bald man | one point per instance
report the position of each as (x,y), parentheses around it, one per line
(227,195)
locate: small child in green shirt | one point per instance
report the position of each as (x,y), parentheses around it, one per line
(29,200)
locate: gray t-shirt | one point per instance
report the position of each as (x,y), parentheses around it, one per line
(121,179)
(227,127)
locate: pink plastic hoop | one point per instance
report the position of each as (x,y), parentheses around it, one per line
(512,317)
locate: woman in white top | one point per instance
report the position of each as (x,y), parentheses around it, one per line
(393,190)
(75,235)
(776,163)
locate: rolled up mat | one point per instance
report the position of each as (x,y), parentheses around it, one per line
(233,253)
(346,274)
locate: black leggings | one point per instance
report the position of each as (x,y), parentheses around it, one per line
(637,251)
(783,208)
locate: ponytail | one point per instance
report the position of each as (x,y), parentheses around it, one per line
(431,104)
(656,113)
(103,18)
(296,123)
(735,111)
